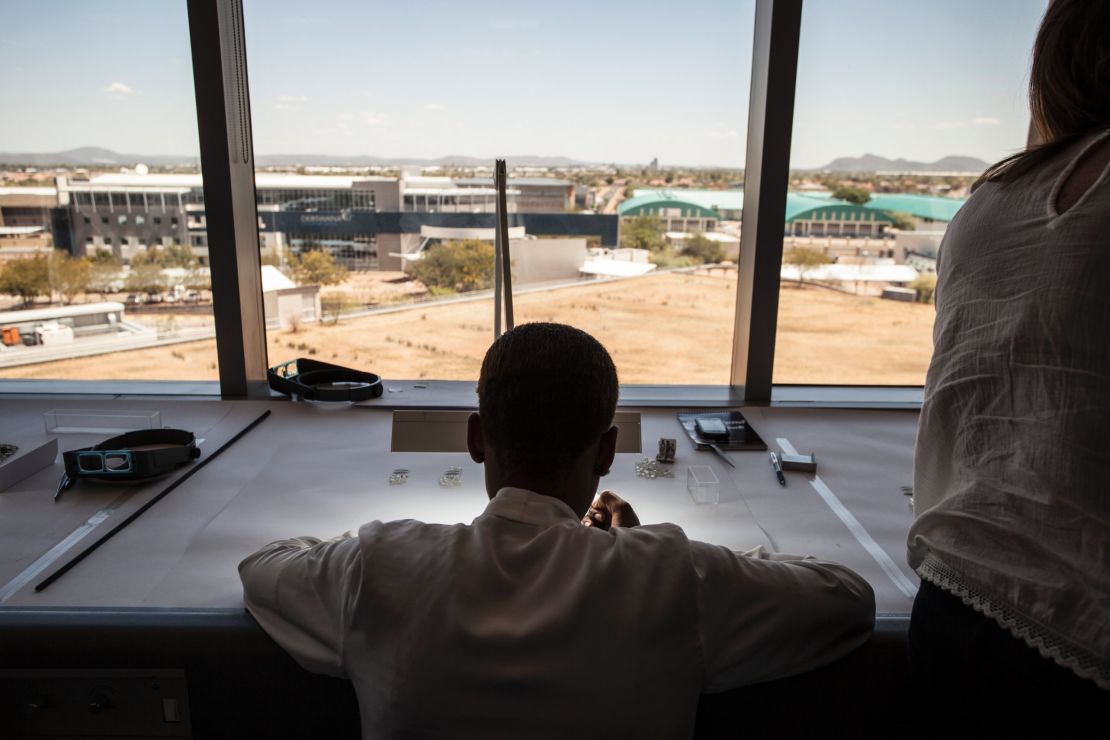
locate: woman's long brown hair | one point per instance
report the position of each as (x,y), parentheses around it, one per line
(1069,86)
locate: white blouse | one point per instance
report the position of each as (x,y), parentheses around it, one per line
(1012,471)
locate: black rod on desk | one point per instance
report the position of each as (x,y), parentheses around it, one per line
(138,512)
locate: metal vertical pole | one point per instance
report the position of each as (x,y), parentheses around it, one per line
(766,178)
(227,163)
(496,268)
(501,184)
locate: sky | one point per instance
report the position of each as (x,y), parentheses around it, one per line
(617,81)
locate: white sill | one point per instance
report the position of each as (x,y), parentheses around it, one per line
(461,393)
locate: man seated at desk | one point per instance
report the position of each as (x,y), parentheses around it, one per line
(547,616)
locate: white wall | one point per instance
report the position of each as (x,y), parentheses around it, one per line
(543,260)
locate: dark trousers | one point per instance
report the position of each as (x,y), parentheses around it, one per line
(969,674)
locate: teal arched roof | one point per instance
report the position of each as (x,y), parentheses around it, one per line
(930,207)
(822,207)
(648,204)
(714,200)
(798,205)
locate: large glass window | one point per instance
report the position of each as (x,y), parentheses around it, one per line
(625,143)
(90,292)
(900,105)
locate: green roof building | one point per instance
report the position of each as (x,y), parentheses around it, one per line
(674,209)
(807,214)
(922,207)
(817,214)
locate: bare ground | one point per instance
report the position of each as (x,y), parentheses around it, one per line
(665,328)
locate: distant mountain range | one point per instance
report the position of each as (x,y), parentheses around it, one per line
(93,156)
(451,160)
(100,157)
(875,163)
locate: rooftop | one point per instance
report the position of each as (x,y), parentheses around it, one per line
(39,191)
(521,181)
(931,207)
(269,180)
(730,200)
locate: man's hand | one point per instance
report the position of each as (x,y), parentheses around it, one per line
(610,510)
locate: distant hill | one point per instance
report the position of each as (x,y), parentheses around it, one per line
(875,163)
(451,160)
(100,157)
(92,155)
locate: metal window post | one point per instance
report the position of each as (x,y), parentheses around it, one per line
(766,178)
(227,163)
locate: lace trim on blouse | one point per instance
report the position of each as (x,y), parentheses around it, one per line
(1051,646)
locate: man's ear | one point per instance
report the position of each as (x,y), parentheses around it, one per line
(474,442)
(606,451)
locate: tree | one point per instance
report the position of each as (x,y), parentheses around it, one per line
(197,278)
(145,277)
(317,267)
(852,194)
(668,258)
(643,232)
(105,257)
(334,304)
(926,286)
(904,221)
(69,276)
(176,255)
(805,260)
(149,257)
(701,248)
(27,278)
(104,273)
(461,266)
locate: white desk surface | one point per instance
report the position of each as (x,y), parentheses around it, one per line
(321,470)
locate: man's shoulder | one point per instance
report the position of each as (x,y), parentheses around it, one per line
(407,528)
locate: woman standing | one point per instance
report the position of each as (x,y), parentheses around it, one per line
(1011,627)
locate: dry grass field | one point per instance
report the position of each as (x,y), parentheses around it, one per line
(664,328)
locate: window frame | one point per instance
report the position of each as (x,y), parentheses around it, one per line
(218,24)
(227,165)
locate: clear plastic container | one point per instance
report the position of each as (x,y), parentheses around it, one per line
(703,484)
(96,421)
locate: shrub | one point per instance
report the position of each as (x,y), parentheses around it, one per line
(456,266)
(926,286)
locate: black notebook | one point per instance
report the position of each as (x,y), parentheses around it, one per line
(741,436)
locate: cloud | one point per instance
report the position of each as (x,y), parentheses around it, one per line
(433,106)
(730,134)
(290,102)
(118,89)
(346,116)
(373,118)
(986,121)
(948,125)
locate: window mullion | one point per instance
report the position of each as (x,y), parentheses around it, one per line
(766,178)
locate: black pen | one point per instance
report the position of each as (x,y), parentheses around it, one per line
(778,469)
(66,483)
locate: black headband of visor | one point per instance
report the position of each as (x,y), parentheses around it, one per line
(313,380)
(115,458)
